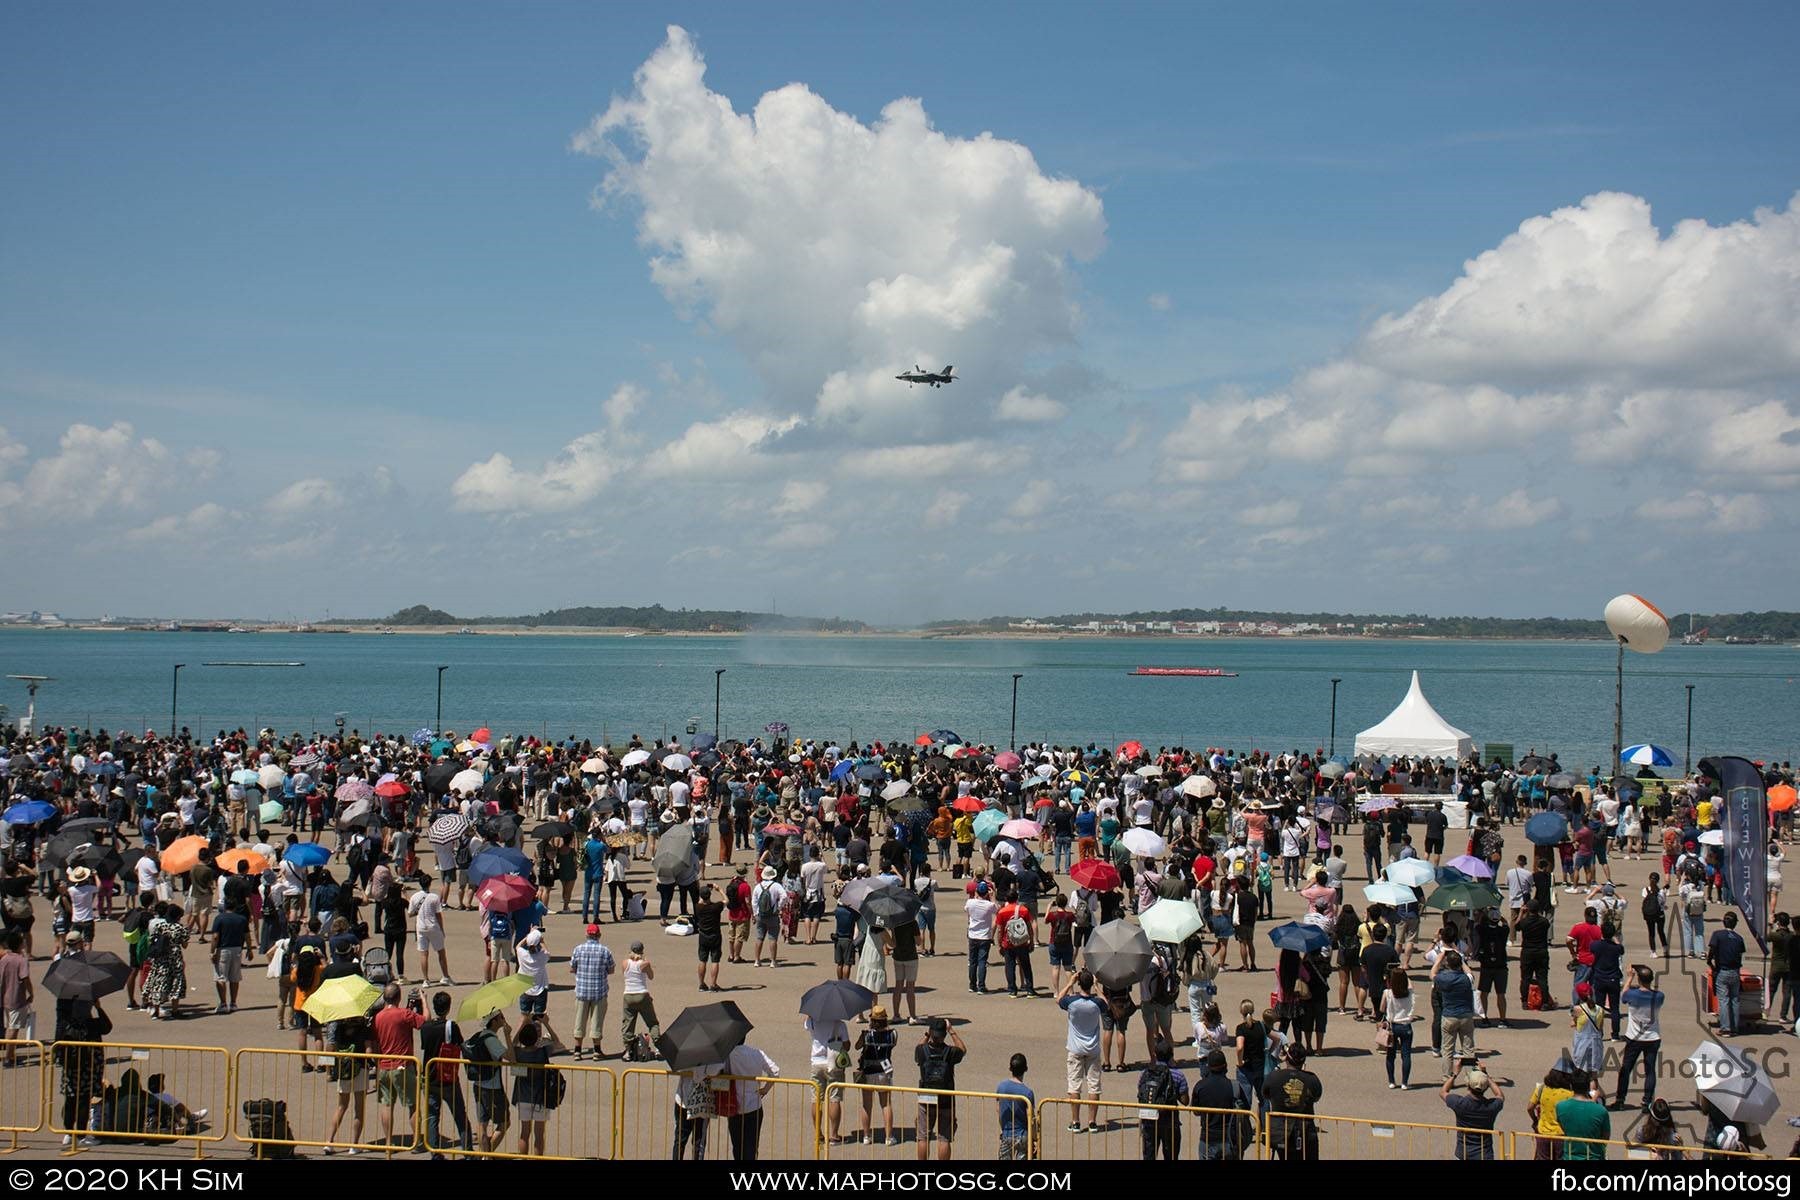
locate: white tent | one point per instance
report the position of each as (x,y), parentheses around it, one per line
(1415,729)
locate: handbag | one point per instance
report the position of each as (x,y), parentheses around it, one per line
(1384,1036)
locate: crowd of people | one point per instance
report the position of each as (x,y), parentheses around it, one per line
(322,859)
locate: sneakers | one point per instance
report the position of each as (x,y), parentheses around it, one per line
(88,1142)
(1074,1127)
(1093,1127)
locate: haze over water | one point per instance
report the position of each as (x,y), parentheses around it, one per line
(1547,695)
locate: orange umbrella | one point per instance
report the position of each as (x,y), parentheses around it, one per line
(482,735)
(1781,797)
(968,804)
(182,854)
(243,862)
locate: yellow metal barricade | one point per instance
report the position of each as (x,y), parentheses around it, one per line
(341,1102)
(1064,1133)
(652,1125)
(147,1093)
(1324,1137)
(968,1122)
(562,1110)
(1622,1150)
(22,1089)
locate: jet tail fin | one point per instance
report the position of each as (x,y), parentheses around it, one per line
(949,370)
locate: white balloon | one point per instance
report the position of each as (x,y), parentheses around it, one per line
(1638,623)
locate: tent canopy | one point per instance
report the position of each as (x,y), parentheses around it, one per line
(1414,729)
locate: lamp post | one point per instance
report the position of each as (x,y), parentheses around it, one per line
(1335,680)
(718,681)
(438,726)
(1687,756)
(175,696)
(1012,741)
(1618,715)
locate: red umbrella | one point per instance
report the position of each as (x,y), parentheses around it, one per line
(1095,875)
(1044,802)
(968,804)
(392,787)
(1130,749)
(482,735)
(968,752)
(781,829)
(924,739)
(509,893)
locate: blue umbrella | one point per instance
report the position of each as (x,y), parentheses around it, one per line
(870,772)
(1306,939)
(307,854)
(988,823)
(1646,755)
(422,737)
(704,741)
(1546,829)
(498,861)
(945,736)
(28,812)
(843,769)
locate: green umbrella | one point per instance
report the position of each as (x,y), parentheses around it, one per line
(1170,921)
(1464,896)
(494,997)
(271,810)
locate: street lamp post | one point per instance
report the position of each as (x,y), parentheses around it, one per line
(438,726)
(1335,680)
(1012,741)
(174,697)
(1687,756)
(718,681)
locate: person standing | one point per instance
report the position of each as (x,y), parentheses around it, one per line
(709,936)
(1725,955)
(1477,1108)
(903,949)
(937,1056)
(638,1003)
(1018,936)
(397,1071)
(1534,955)
(980,910)
(440,1045)
(766,899)
(16,994)
(1083,1008)
(1455,992)
(427,911)
(1490,937)
(1643,1033)
(1165,1090)
(830,1063)
(737,914)
(1396,1020)
(755,1074)
(592,965)
(1291,1092)
(83,1064)
(231,930)
(1015,1111)
(592,862)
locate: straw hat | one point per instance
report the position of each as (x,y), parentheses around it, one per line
(80,874)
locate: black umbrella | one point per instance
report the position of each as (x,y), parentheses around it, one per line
(889,907)
(906,804)
(674,854)
(1533,763)
(86,976)
(869,772)
(128,861)
(704,741)
(500,784)
(553,829)
(88,827)
(439,774)
(101,859)
(703,1034)
(1561,781)
(356,820)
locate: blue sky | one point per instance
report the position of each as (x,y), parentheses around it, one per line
(327,263)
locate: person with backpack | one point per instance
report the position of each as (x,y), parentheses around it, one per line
(349,1036)
(487,1054)
(1692,896)
(766,899)
(1655,908)
(937,1056)
(441,1046)
(638,1003)
(1157,993)
(1018,935)
(1162,1086)
(396,1072)
(875,1070)
(538,1089)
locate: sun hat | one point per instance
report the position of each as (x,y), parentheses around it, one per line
(877,1014)
(768,873)
(80,875)
(743,869)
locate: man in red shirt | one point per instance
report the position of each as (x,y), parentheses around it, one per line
(1581,944)
(397,1071)
(737,912)
(1017,934)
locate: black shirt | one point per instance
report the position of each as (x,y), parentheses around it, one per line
(232,929)
(1492,950)
(1534,933)
(706,919)
(432,1038)
(1607,957)
(1292,1090)
(1214,1091)
(1726,950)
(1255,1040)
(1435,824)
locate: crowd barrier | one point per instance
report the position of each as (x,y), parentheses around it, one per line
(783,1124)
(188,1080)
(274,1101)
(921,1118)
(1064,1133)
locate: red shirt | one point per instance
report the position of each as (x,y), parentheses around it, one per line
(1008,912)
(737,901)
(1203,869)
(393,1035)
(1584,936)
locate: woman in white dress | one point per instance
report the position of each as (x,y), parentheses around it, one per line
(871,964)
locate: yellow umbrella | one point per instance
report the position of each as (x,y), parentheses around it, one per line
(489,998)
(341,998)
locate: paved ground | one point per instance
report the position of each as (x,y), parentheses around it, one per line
(994,1026)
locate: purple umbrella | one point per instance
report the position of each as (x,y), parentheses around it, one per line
(1471,866)
(1377,804)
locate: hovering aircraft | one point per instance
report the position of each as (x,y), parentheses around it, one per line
(933,378)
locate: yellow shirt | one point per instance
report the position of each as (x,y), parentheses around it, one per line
(1703,813)
(965,829)
(1547,1098)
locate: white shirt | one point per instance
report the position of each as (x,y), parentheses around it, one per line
(637,808)
(634,976)
(1397,1009)
(535,963)
(748,1062)
(827,1040)
(678,794)
(426,910)
(147,871)
(81,901)
(981,918)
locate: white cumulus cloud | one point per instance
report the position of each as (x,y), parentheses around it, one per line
(306,497)
(1021,405)
(567,481)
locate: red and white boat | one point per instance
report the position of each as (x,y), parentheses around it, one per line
(1203,672)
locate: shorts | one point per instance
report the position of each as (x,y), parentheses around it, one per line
(1084,1074)
(1245,932)
(1583,861)
(357,1081)
(490,1106)
(533,1112)
(397,1084)
(1492,979)
(965,850)
(710,949)
(230,967)
(814,909)
(826,1075)
(768,927)
(1062,954)
(904,971)
(1600,850)
(843,951)
(1112,1024)
(937,1120)
(877,1079)
(927,920)
(18,1018)
(1221,927)
(534,1005)
(740,930)
(500,952)
(429,939)
(1434,845)
(1159,1016)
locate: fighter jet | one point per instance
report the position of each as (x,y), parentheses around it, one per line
(934,378)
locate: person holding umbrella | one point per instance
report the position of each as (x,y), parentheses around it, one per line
(80,1019)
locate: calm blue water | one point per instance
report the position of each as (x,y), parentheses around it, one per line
(1533,694)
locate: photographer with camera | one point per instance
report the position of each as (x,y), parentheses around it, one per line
(397,1071)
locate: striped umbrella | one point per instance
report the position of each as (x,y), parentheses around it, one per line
(1646,755)
(448,828)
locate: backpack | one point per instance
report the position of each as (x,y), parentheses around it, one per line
(478,1052)
(269,1131)
(358,855)
(1653,906)
(160,942)
(555,1087)
(306,968)
(377,968)
(464,856)
(1157,1086)
(934,1068)
(767,907)
(1018,933)
(499,926)
(1163,984)
(443,1071)
(1696,903)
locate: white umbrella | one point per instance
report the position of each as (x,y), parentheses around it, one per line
(1713,837)
(1170,921)
(1152,771)
(896,789)
(1388,893)
(1411,872)
(1043,770)
(1144,843)
(634,758)
(270,776)
(467,782)
(1199,787)
(1734,1084)
(677,762)
(593,766)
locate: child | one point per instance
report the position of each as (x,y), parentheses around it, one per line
(1265,884)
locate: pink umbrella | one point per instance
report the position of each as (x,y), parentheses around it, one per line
(1471,866)
(1006,760)
(352,790)
(506,893)
(1020,828)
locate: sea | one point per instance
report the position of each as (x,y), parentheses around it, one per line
(1544,696)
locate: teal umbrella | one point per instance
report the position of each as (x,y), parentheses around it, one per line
(988,823)
(271,810)
(440,747)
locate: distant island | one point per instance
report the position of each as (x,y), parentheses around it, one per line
(654,619)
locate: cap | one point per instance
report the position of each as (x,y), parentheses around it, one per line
(593,931)
(73,936)
(1584,990)
(1608,890)
(981,889)
(1477,1080)
(637,947)
(534,939)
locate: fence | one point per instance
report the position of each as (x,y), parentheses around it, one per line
(324,1100)
(1230,1133)
(530,1111)
(1596,1149)
(22,1097)
(161,1093)
(926,1123)
(1323,1137)
(650,1124)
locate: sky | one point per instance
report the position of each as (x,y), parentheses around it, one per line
(334,309)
